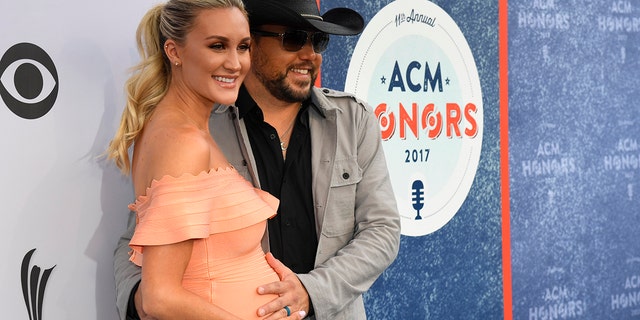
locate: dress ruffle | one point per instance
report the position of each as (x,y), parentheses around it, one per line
(176,209)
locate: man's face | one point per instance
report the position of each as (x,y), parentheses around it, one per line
(287,75)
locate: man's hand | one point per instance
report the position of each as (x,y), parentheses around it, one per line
(290,291)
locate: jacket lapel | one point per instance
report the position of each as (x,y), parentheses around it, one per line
(323,146)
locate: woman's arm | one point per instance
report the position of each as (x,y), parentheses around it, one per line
(169,149)
(161,287)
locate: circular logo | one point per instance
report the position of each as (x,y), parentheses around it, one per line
(28,81)
(414,66)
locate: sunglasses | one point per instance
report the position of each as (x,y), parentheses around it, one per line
(294,40)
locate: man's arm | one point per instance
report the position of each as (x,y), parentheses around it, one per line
(352,261)
(360,234)
(127,274)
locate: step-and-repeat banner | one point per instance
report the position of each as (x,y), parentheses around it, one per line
(574,128)
(429,69)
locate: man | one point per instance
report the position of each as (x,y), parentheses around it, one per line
(317,150)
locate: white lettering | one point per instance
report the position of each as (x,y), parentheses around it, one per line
(625,300)
(543,20)
(621,7)
(632,282)
(556,293)
(627,145)
(565,310)
(622,162)
(548,149)
(618,23)
(544,4)
(548,167)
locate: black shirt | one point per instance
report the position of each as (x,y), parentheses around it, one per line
(292,232)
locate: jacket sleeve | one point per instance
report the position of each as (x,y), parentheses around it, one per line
(127,274)
(361,236)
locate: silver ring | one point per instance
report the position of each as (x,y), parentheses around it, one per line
(286,308)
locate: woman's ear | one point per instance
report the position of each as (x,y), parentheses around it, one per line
(171,50)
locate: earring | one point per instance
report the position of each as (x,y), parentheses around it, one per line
(177,63)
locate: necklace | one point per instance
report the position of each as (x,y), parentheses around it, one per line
(282,146)
(293,121)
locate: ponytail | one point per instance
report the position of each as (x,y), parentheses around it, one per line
(144,89)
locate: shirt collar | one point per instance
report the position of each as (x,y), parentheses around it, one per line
(245,102)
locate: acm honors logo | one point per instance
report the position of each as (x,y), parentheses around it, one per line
(28,81)
(414,66)
(34,283)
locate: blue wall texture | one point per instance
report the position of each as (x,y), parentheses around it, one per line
(574,159)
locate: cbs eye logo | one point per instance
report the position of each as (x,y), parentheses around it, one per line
(28,81)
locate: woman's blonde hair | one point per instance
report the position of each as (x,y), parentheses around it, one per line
(150,78)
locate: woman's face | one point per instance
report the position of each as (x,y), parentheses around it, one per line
(215,56)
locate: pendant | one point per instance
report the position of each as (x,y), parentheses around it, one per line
(282,146)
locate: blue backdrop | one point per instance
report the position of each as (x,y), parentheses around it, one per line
(574,155)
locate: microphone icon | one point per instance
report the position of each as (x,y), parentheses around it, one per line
(417,197)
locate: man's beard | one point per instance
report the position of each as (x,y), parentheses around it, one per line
(280,89)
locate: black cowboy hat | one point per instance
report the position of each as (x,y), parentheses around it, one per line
(304,14)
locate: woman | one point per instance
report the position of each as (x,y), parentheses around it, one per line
(199,223)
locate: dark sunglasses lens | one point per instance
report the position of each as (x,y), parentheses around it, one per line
(294,40)
(320,42)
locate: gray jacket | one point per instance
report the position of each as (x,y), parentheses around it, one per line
(357,220)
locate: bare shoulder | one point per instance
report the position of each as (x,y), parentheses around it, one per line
(168,148)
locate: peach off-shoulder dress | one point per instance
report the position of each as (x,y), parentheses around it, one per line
(226,217)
